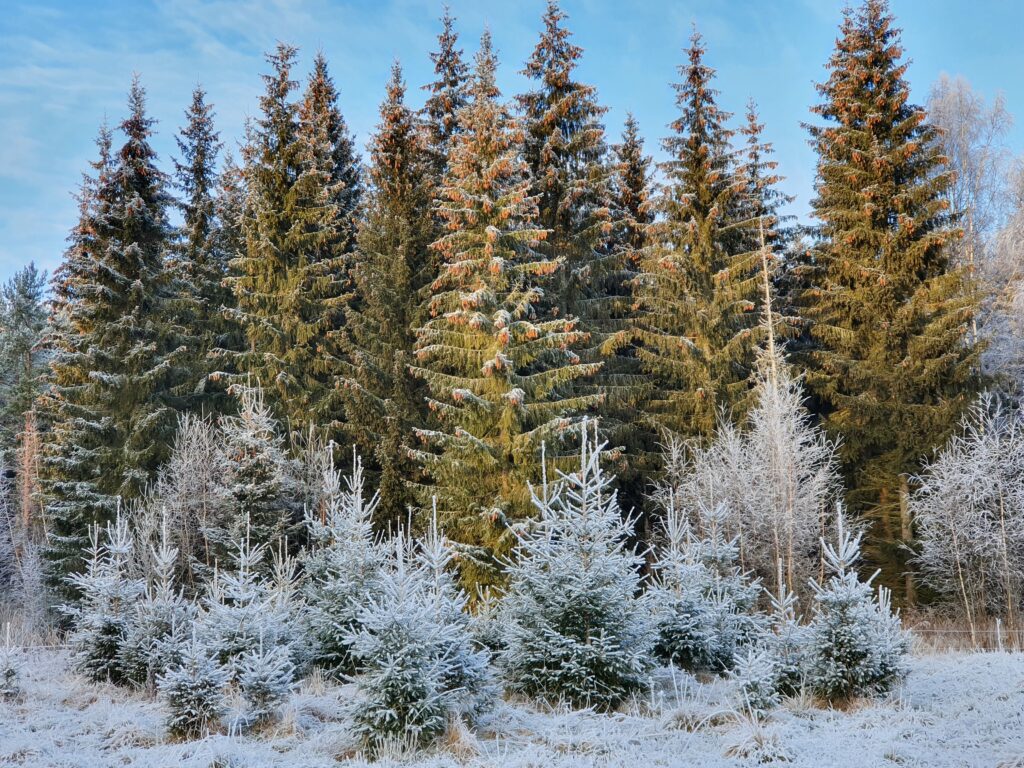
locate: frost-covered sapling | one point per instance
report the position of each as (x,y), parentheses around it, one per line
(420,667)
(10,667)
(243,609)
(575,628)
(102,617)
(856,644)
(467,679)
(342,565)
(193,691)
(703,604)
(786,640)
(757,676)
(160,620)
(266,676)
(260,478)
(401,697)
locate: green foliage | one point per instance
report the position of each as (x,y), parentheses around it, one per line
(23,355)
(695,321)
(891,363)
(290,282)
(393,270)
(496,372)
(200,264)
(112,366)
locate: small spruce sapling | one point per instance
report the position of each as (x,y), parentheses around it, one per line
(193,691)
(703,603)
(576,629)
(243,609)
(342,565)
(160,620)
(266,676)
(102,618)
(857,646)
(10,667)
(421,667)
(401,695)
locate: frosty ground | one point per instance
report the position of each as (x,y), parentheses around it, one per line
(955,709)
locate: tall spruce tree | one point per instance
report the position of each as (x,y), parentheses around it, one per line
(497,373)
(448,94)
(696,295)
(290,281)
(892,365)
(393,271)
(564,148)
(113,360)
(769,234)
(200,262)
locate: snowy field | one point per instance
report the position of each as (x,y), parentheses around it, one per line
(954,710)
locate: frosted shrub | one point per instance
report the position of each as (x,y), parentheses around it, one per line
(420,667)
(776,476)
(704,605)
(342,565)
(193,691)
(757,676)
(856,644)
(102,618)
(10,665)
(575,629)
(969,514)
(266,676)
(159,621)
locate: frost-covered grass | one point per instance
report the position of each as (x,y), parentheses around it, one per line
(957,709)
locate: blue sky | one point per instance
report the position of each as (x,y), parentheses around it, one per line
(66,65)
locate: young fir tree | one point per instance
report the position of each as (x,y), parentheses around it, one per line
(575,629)
(290,279)
(113,364)
(448,94)
(497,373)
(696,295)
(200,262)
(891,364)
(394,268)
(342,565)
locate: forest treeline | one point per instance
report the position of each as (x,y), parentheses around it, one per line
(497,270)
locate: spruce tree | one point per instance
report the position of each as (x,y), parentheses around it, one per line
(891,366)
(632,209)
(23,317)
(291,278)
(696,294)
(448,95)
(394,268)
(564,148)
(200,261)
(113,362)
(496,372)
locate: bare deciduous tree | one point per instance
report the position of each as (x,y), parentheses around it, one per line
(969,511)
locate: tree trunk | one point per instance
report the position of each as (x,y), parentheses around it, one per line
(907,535)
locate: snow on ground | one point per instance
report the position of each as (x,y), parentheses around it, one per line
(954,710)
